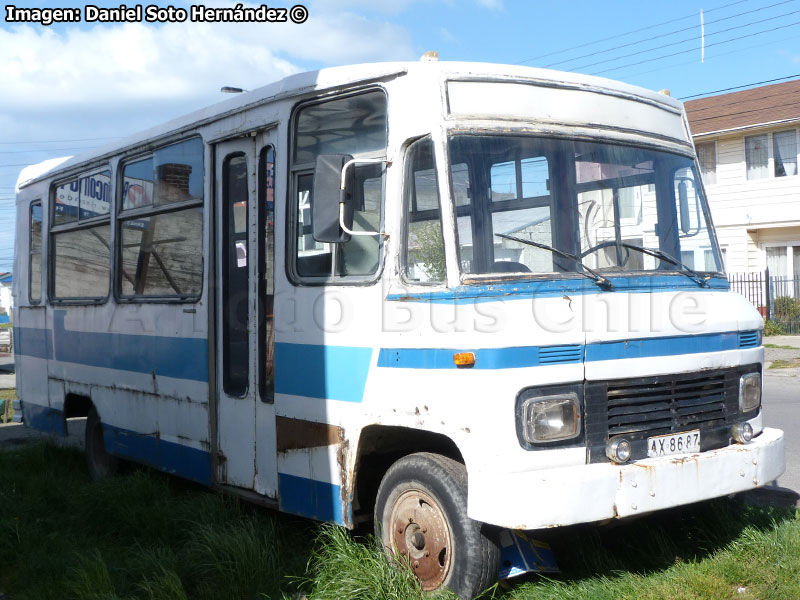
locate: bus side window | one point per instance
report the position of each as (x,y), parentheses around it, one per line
(423,252)
(80,254)
(160,224)
(35,254)
(354,125)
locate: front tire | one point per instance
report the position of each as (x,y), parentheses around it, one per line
(101,464)
(421,513)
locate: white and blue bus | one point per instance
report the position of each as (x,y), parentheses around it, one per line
(461,300)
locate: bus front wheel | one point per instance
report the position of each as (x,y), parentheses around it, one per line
(421,519)
(101,464)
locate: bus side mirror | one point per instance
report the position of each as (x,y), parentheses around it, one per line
(326,197)
(683,197)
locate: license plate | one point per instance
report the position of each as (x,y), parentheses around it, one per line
(677,443)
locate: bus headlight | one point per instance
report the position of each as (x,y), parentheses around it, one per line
(618,450)
(742,432)
(551,418)
(749,392)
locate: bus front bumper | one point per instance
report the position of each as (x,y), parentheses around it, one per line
(586,493)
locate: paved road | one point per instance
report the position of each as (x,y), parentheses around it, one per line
(782,410)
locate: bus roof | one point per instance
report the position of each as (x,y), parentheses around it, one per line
(312,81)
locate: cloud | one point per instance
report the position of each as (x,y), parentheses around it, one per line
(492,4)
(110,80)
(134,61)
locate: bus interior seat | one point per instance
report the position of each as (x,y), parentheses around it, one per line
(314,265)
(509,266)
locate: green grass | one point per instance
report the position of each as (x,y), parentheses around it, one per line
(785,364)
(781,347)
(144,535)
(773,328)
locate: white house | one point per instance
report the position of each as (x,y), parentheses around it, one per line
(6,300)
(747,144)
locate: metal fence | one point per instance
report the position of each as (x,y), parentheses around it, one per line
(776,298)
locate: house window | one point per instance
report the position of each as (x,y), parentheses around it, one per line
(784,150)
(707,157)
(687,258)
(776,261)
(756,156)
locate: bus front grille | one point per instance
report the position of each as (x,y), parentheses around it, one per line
(641,407)
(666,406)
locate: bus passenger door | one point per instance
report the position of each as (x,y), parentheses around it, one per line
(245,412)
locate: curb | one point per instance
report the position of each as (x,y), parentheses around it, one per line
(787,372)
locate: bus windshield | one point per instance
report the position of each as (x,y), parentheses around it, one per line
(614,208)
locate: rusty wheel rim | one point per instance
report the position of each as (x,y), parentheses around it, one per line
(421,536)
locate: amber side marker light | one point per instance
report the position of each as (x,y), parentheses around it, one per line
(464,360)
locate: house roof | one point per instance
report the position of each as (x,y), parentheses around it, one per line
(756,106)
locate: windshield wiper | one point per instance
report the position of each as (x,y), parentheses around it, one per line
(700,280)
(587,272)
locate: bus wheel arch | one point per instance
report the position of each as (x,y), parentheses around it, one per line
(76,405)
(379,447)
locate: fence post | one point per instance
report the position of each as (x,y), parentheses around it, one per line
(766,295)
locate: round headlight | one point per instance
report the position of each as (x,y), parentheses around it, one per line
(742,432)
(618,450)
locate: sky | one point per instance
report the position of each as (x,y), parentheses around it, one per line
(69,87)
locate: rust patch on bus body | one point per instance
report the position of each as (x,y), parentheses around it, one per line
(299,434)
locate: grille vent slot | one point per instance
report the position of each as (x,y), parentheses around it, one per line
(560,354)
(748,339)
(666,405)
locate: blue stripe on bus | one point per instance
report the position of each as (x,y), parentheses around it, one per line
(30,341)
(44,418)
(485,358)
(316,371)
(531,356)
(662,346)
(551,288)
(310,498)
(170,457)
(181,358)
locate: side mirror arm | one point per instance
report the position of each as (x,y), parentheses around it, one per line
(349,163)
